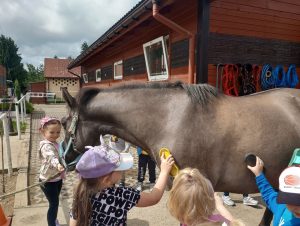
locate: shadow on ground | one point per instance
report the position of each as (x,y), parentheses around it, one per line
(137,222)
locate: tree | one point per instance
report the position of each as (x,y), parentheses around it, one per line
(35,74)
(84,46)
(17,89)
(11,59)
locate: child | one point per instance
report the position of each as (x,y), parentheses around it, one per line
(285,204)
(144,160)
(50,129)
(119,145)
(247,200)
(192,201)
(97,201)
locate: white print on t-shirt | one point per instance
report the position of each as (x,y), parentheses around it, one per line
(110,207)
(281,222)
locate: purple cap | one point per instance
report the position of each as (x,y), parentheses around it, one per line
(101,160)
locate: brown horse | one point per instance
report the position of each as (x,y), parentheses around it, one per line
(202,128)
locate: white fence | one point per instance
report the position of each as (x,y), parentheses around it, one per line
(22,104)
(39,94)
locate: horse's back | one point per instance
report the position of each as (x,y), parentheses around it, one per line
(266,124)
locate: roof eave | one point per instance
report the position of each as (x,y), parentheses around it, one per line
(141,7)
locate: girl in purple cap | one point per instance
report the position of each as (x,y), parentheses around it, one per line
(48,151)
(97,201)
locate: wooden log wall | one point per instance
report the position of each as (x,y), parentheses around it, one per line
(256,32)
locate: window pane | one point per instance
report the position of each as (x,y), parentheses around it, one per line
(118,70)
(98,74)
(155,59)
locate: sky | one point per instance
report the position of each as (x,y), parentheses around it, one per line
(48,28)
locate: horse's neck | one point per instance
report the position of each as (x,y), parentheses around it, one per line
(136,113)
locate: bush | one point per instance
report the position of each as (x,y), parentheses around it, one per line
(5,107)
(23,126)
(29,107)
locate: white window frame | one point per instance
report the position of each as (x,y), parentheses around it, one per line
(118,77)
(85,78)
(98,79)
(159,77)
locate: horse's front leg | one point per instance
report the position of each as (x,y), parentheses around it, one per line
(267,218)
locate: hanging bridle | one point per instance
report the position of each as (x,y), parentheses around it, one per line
(71,143)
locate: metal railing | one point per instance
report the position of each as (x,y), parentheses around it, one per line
(3,117)
(22,104)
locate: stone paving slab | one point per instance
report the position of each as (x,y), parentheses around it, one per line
(35,216)
(19,149)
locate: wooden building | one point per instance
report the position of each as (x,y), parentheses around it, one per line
(57,75)
(3,90)
(38,87)
(186,40)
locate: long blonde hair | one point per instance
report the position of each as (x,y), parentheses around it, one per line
(191,199)
(81,208)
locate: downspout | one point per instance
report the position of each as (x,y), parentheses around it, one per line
(179,29)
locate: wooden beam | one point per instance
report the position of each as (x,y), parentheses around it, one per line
(202,41)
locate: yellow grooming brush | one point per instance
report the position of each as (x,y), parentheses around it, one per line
(166,152)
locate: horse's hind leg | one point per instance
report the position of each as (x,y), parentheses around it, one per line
(267,218)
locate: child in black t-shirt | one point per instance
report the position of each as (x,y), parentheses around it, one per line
(96,200)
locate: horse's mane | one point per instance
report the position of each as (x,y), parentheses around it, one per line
(199,93)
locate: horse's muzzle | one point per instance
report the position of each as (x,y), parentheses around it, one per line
(63,151)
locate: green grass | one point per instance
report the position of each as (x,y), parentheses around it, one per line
(23,126)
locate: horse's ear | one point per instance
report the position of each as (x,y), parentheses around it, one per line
(68,98)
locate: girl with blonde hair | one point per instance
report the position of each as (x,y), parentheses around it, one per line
(193,202)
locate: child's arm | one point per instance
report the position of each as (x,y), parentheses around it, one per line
(221,208)
(47,152)
(149,199)
(267,192)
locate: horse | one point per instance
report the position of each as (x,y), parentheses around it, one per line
(202,127)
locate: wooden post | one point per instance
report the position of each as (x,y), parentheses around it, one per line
(202,41)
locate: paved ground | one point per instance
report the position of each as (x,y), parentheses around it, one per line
(157,215)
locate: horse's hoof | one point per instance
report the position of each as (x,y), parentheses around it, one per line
(250,159)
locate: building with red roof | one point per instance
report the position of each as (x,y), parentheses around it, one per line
(57,76)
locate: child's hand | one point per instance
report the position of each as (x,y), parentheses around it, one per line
(258,168)
(60,167)
(166,164)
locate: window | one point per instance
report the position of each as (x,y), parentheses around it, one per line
(85,78)
(107,73)
(156,59)
(98,75)
(118,70)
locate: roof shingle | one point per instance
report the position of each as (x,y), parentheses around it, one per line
(58,68)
